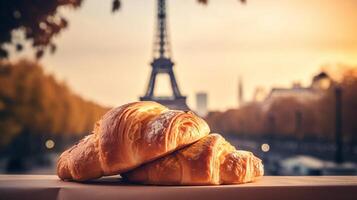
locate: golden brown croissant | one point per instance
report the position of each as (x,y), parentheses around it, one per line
(127,137)
(210,161)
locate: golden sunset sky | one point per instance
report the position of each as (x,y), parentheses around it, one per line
(105,57)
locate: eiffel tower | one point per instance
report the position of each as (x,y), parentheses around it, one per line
(162,64)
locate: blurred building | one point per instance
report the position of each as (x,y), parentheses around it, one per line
(318,86)
(240,92)
(259,94)
(201,104)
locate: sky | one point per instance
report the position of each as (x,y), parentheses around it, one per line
(106,57)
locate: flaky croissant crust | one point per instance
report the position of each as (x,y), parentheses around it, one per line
(210,161)
(127,137)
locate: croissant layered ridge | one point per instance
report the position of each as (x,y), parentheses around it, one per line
(210,161)
(129,136)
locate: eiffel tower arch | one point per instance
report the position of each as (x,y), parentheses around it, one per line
(162,64)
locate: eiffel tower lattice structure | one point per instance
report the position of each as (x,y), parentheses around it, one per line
(162,64)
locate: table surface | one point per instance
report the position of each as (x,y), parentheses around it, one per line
(269,187)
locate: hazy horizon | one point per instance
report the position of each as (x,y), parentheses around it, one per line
(105,57)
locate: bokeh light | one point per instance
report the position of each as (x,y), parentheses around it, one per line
(49,144)
(265,147)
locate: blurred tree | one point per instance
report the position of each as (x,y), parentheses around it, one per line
(39,20)
(291,114)
(34,103)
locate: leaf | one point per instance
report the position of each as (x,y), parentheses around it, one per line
(203,1)
(53,48)
(116,5)
(3,53)
(39,53)
(19,47)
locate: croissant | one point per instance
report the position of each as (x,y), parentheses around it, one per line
(210,161)
(128,136)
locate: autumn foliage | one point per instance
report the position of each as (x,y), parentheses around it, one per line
(35,103)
